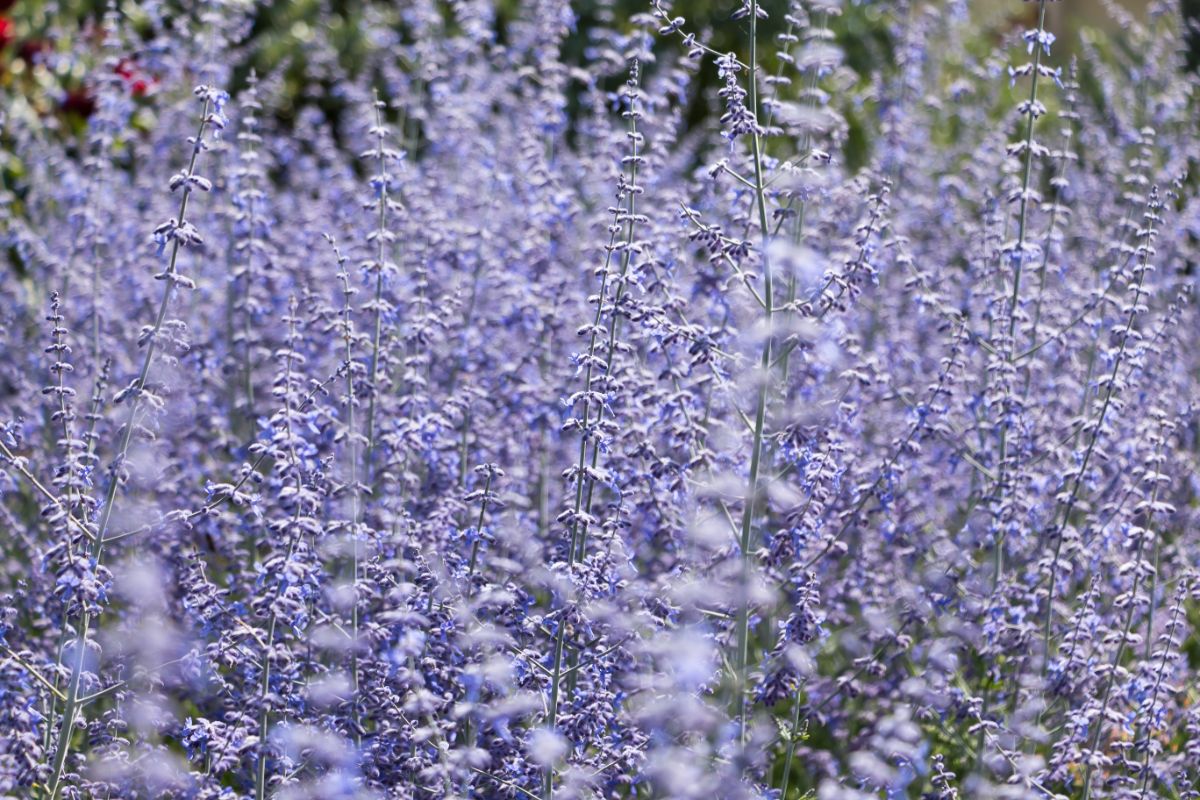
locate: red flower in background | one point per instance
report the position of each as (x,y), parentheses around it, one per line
(125,68)
(79,101)
(6,31)
(138,82)
(30,49)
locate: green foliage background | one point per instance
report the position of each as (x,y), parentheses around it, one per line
(278,41)
(281,31)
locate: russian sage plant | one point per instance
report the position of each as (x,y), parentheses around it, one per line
(787,399)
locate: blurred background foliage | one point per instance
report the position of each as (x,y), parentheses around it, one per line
(49,73)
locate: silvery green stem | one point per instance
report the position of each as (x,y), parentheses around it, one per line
(742,657)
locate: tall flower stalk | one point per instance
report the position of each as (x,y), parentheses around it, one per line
(175,233)
(762,381)
(1016,253)
(380,268)
(597,370)
(1113,383)
(248,201)
(1142,536)
(283,575)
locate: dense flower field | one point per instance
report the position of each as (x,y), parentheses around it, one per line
(491,428)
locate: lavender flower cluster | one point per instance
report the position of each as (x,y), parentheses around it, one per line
(508,434)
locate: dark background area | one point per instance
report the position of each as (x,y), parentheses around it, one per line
(58,89)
